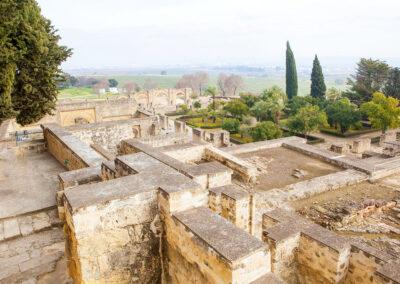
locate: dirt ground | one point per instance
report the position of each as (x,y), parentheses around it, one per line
(366,212)
(277,166)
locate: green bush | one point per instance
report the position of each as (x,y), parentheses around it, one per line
(231,125)
(265,130)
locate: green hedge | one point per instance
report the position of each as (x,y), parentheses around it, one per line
(347,134)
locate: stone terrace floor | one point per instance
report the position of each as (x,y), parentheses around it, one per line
(27,182)
(277,166)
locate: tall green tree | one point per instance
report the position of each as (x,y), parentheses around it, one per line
(318,87)
(370,77)
(237,108)
(307,119)
(276,102)
(392,87)
(382,111)
(30,58)
(291,73)
(343,113)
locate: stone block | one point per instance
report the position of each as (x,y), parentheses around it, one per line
(40,221)
(11,228)
(361,145)
(25,225)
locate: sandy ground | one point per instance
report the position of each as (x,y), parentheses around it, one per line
(27,182)
(277,166)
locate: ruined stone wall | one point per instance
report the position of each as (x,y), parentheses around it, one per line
(242,169)
(321,263)
(190,152)
(110,134)
(116,242)
(68,150)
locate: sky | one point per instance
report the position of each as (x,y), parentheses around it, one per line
(137,33)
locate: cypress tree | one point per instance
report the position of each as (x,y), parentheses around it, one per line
(318,87)
(291,73)
(30,59)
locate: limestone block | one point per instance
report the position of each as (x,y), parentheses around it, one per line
(11,228)
(388,136)
(361,145)
(40,221)
(25,225)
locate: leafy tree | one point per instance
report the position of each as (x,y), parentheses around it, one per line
(231,125)
(382,111)
(318,87)
(295,104)
(276,101)
(67,81)
(298,102)
(249,99)
(333,94)
(244,130)
(212,91)
(291,73)
(392,87)
(261,110)
(265,130)
(307,119)
(249,120)
(203,113)
(343,113)
(236,108)
(112,83)
(184,109)
(197,105)
(370,77)
(30,57)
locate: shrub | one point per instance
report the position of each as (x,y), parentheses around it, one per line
(265,130)
(231,125)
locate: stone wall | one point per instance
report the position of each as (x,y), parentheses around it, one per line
(114,240)
(110,134)
(242,169)
(303,252)
(69,150)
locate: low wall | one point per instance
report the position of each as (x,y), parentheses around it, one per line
(279,198)
(241,168)
(262,145)
(109,134)
(303,252)
(111,238)
(69,150)
(199,250)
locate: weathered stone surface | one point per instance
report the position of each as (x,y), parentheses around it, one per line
(11,228)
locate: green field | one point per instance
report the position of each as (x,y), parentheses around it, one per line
(251,84)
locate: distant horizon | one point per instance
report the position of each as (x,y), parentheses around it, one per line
(137,34)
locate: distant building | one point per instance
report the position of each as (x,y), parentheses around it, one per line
(113,90)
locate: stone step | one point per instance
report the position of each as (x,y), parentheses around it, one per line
(29,257)
(27,224)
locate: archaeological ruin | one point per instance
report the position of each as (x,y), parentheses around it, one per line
(115,191)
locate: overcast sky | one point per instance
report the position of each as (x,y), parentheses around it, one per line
(131,33)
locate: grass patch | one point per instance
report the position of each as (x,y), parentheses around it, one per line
(207,124)
(237,138)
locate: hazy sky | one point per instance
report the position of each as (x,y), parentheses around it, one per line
(130,33)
